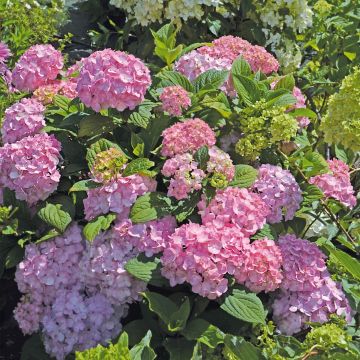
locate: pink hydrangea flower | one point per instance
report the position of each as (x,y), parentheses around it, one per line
(174,100)
(117,196)
(187,136)
(202,256)
(102,268)
(185,175)
(234,206)
(76,322)
(150,237)
(337,183)
(38,65)
(220,162)
(261,270)
(22,119)
(300,104)
(29,167)
(303,264)
(112,79)
(291,310)
(5,52)
(279,190)
(46,93)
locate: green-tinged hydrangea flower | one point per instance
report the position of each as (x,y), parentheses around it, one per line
(219,181)
(251,146)
(341,124)
(283,127)
(108,164)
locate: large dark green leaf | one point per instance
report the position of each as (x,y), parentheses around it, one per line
(54,216)
(93,228)
(245,176)
(211,79)
(95,125)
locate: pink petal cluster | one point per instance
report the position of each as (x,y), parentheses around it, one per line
(5,52)
(150,237)
(36,67)
(291,310)
(174,100)
(300,104)
(185,175)
(261,270)
(22,119)
(29,167)
(220,162)
(102,268)
(336,184)
(187,136)
(279,190)
(76,322)
(303,264)
(202,256)
(112,79)
(45,93)
(117,196)
(235,207)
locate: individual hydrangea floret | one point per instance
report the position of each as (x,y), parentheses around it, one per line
(29,167)
(279,190)
(291,310)
(5,52)
(38,65)
(187,136)
(303,264)
(261,270)
(202,256)
(102,268)
(117,195)
(185,175)
(235,206)
(336,184)
(341,125)
(174,100)
(22,119)
(112,79)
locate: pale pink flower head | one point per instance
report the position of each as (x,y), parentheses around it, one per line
(5,52)
(261,270)
(22,119)
(279,190)
(36,67)
(202,256)
(187,136)
(29,167)
(303,264)
(112,79)
(234,206)
(336,184)
(175,99)
(221,163)
(46,93)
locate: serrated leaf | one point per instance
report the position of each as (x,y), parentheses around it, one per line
(143,268)
(97,147)
(244,306)
(245,176)
(313,163)
(211,79)
(240,67)
(174,78)
(150,206)
(286,82)
(351,264)
(241,349)
(54,216)
(160,305)
(139,120)
(265,232)
(246,88)
(93,228)
(84,185)
(312,193)
(95,124)
(138,166)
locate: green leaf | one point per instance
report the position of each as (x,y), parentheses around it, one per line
(33,349)
(138,166)
(244,306)
(350,55)
(160,305)
(143,268)
(84,185)
(179,318)
(150,206)
(139,120)
(186,207)
(142,350)
(174,78)
(193,47)
(54,216)
(312,163)
(93,228)
(245,176)
(286,82)
(246,88)
(14,256)
(303,112)
(123,346)
(342,154)
(179,348)
(264,232)
(211,79)
(203,332)
(241,349)
(95,124)
(312,193)
(97,147)
(351,264)
(240,67)
(137,144)
(201,156)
